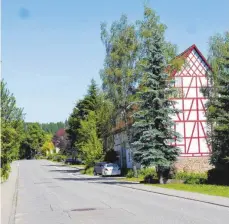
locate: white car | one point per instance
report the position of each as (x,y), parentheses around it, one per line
(111,169)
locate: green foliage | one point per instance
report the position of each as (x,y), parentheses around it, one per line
(48,144)
(192,178)
(50,156)
(90,147)
(11,129)
(93,101)
(153,126)
(38,156)
(200,188)
(143,174)
(120,73)
(148,171)
(33,140)
(59,158)
(88,171)
(89,124)
(56,157)
(130,173)
(218,103)
(52,127)
(5,171)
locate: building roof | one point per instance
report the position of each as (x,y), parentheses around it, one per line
(186,53)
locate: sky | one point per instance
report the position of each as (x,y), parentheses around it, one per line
(51,49)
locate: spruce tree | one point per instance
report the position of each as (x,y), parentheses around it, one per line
(153,130)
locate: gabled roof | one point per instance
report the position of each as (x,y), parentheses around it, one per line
(186,53)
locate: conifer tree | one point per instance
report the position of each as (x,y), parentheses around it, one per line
(153,130)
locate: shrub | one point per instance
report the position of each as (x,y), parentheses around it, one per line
(88,171)
(148,174)
(5,171)
(124,171)
(191,178)
(148,171)
(50,157)
(130,173)
(59,158)
(218,176)
(40,157)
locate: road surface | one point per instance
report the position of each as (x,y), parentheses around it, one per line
(54,194)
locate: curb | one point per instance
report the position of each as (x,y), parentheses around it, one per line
(175,196)
(14,202)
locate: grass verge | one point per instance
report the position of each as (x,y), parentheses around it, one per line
(134,179)
(215,190)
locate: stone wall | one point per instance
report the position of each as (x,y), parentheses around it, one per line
(193,164)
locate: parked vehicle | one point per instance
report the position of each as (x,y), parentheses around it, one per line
(73,161)
(107,169)
(98,168)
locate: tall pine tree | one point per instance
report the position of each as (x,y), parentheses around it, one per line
(153,127)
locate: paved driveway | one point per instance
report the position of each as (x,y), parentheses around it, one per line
(52,194)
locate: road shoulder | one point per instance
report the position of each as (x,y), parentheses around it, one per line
(8,190)
(215,200)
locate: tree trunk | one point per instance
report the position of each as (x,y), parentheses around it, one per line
(161,178)
(163,174)
(135,169)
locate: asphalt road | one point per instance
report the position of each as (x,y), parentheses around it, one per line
(54,194)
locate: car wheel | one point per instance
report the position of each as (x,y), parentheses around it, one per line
(95,174)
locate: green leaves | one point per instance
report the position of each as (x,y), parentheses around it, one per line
(153,127)
(90,145)
(33,140)
(11,129)
(218,103)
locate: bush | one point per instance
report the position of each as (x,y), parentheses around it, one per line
(59,158)
(40,157)
(192,178)
(130,173)
(218,176)
(50,157)
(148,174)
(5,171)
(148,171)
(88,171)
(56,157)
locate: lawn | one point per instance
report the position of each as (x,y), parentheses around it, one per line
(215,190)
(199,188)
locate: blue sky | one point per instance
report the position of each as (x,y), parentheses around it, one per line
(51,49)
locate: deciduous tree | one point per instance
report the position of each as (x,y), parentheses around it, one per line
(218,103)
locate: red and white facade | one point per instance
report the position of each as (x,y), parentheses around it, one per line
(191,121)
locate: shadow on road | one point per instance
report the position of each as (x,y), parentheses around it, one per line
(57,165)
(97,180)
(67,171)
